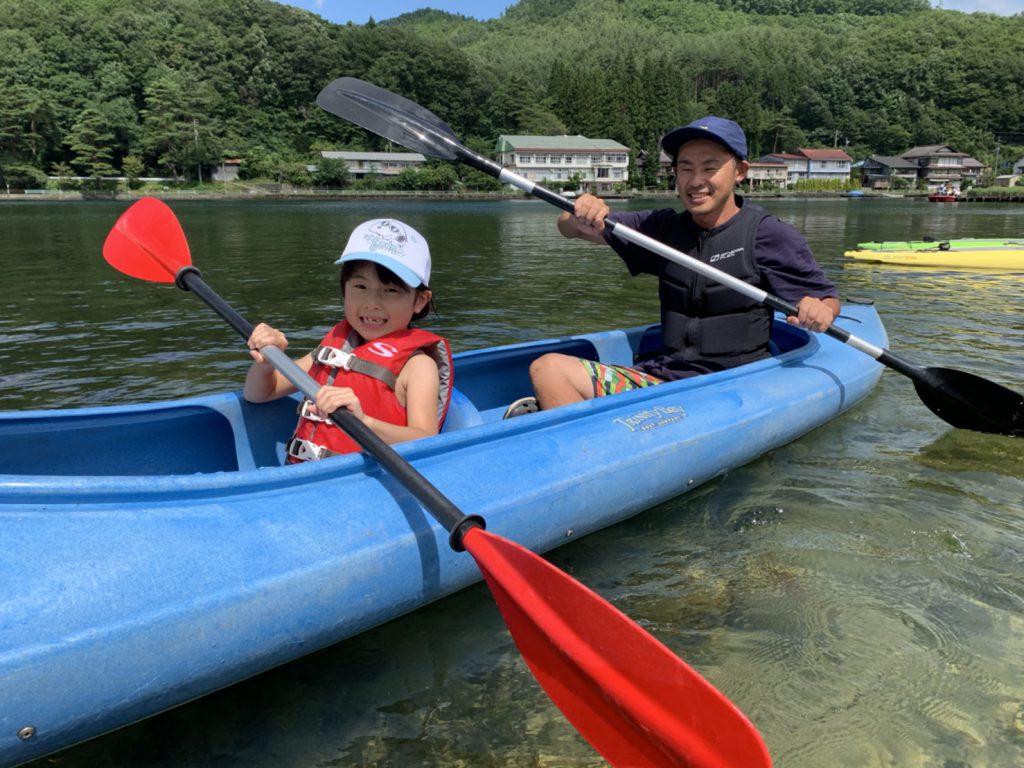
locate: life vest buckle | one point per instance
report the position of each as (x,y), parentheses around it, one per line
(307,410)
(334,357)
(306,450)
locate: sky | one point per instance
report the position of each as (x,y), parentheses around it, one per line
(341,11)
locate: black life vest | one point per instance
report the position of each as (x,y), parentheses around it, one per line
(705,324)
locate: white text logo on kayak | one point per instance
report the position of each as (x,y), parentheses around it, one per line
(652,418)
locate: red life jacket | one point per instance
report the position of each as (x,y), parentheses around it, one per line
(371,370)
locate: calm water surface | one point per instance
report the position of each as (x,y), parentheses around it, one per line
(858,594)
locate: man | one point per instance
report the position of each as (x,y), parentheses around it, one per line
(706,327)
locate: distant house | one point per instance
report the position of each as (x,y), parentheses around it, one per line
(812,164)
(226,171)
(764,172)
(937,164)
(972,170)
(796,165)
(884,172)
(1018,167)
(363,164)
(664,171)
(827,164)
(601,164)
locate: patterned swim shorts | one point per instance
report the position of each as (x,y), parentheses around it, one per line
(612,379)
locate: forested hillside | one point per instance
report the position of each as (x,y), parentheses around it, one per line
(170,87)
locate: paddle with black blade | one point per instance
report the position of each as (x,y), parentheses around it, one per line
(961,399)
(635,701)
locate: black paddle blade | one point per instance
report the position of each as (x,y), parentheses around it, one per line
(970,402)
(391,116)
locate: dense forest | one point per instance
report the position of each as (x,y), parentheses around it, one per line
(133,88)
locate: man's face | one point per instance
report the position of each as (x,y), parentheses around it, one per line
(706,177)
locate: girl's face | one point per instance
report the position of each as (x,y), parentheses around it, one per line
(375,308)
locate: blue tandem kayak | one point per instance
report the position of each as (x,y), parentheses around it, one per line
(155,553)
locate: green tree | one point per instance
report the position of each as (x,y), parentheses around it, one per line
(178,132)
(331,172)
(92,144)
(133,168)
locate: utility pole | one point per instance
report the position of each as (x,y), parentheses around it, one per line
(199,164)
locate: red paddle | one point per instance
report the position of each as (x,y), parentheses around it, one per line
(636,702)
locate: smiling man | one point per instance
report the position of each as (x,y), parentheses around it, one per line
(705,326)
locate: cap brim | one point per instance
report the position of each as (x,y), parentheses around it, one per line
(406,275)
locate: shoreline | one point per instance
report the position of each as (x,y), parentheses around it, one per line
(295,193)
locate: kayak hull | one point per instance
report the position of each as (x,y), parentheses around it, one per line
(929,245)
(1006,258)
(155,553)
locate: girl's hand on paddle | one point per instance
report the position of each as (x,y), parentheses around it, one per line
(330,399)
(262,336)
(815,314)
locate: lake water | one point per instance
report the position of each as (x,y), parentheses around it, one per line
(858,594)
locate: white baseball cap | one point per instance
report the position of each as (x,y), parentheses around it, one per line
(392,244)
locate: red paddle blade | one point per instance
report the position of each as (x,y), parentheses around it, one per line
(634,700)
(147,242)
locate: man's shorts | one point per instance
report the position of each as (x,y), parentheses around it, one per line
(612,379)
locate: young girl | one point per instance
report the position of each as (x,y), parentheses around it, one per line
(395,379)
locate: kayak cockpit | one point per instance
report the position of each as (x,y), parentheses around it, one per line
(224,433)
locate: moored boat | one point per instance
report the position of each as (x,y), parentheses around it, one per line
(1005,257)
(942,198)
(154,553)
(927,245)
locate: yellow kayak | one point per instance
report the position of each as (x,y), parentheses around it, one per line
(996,257)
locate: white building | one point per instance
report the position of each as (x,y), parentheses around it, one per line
(796,165)
(601,164)
(771,173)
(363,164)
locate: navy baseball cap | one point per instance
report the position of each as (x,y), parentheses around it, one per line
(725,132)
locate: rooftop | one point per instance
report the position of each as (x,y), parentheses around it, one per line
(510,143)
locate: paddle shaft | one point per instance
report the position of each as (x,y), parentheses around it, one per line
(435,502)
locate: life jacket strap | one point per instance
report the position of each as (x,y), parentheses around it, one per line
(339,358)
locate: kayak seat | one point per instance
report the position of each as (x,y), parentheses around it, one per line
(461,413)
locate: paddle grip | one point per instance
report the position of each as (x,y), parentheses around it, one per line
(440,506)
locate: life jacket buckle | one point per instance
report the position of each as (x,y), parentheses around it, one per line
(305,450)
(334,357)
(307,410)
